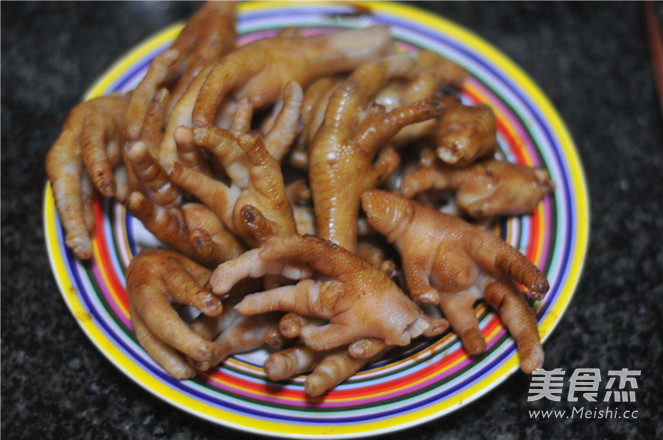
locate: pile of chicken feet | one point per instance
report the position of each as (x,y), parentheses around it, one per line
(272,173)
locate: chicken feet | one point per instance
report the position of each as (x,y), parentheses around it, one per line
(357,299)
(208,35)
(485,189)
(451,263)
(232,333)
(260,70)
(259,211)
(157,279)
(464,134)
(341,155)
(86,150)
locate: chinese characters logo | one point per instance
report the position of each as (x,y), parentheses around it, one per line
(584,383)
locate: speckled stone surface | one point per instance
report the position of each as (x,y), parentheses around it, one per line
(591,60)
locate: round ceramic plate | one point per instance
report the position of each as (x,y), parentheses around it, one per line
(430,379)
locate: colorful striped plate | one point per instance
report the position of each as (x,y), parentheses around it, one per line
(429,380)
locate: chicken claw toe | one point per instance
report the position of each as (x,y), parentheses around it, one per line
(166,356)
(96,137)
(236,334)
(516,315)
(459,310)
(250,264)
(192,229)
(335,366)
(291,324)
(290,362)
(151,177)
(326,369)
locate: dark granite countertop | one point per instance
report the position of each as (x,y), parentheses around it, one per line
(591,60)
